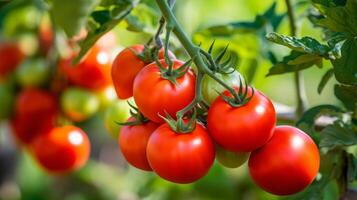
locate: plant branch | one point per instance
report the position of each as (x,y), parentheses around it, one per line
(298,78)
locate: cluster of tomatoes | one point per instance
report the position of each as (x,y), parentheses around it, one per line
(282,159)
(42,100)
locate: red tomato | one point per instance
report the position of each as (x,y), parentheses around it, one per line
(93,72)
(10,57)
(155,95)
(62,150)
(245,128)
(180,157)
(133,142)
(35,113)
(45,37)
(287,164)
(125,68)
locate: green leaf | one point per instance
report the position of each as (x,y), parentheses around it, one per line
(337,136)
(103,20)
(307,120)
(346,66)
(325,78)
(142,19)
(295,61)
(306,45)
(71,15)
(338,17)
(348,95)
(269,20)
(352,168)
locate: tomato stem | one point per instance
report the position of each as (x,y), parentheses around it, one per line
(299,80)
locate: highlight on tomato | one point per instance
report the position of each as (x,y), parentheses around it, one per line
(287,164)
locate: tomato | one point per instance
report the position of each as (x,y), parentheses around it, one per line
(10,56)
(93,72)
(33,72)
(211,89)
(125,68)
(231,159)
(106,96)
(244,128)
(45,36)
(35,113)
(287,164)
(79,104)
(155,95)
(180,157)
(7,96)
(118,111)
(62,150)
(133,142)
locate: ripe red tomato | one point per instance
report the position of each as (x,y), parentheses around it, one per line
(245,128)
(287,164)
(93,72)
(125,68)
(133,142)
(180,157)
(62,150)
(35,113)
(10,56)
(155,95)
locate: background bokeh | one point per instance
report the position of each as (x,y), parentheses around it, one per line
(107,176)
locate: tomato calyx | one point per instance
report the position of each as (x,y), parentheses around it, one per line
(137,115)
(241,97)
(172,74)
(181,125)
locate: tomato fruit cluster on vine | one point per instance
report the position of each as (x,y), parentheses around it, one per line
(282,160)
(43,99)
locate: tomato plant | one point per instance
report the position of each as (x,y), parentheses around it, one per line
(287,164)
(133,141)
(165,96)
(244,128)
(62,149)
(187,157)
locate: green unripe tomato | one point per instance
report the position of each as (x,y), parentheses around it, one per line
(7,98)
(106,97)
(211,88)
(79,104)
(231,159)
(33,72)
(118,111)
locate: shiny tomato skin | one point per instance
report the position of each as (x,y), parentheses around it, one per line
(36,112)
(244,128)
(287,164)
(125,67)
(10,57)
(93,72)
(156,96)
(62,150)
(180,157)
(133,142)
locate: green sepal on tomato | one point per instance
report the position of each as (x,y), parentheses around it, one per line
(79,104)
(287,164)
(243,128)
(180,157)
(117,112)
(155,95)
